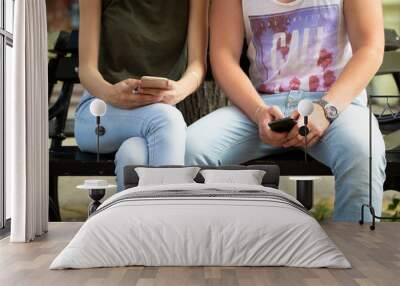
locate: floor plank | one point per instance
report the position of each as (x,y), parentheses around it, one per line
(375,257)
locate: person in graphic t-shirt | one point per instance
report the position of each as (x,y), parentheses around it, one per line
(323,50)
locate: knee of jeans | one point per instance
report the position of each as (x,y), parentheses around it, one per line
(89,144)
(169,116)
(86,138)
(132,151)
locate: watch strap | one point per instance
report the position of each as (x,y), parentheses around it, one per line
(323,103)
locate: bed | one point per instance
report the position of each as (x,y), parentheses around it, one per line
(199,224)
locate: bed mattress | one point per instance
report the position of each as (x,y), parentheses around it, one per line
(201,225)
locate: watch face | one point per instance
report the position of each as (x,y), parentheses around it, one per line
(331,111)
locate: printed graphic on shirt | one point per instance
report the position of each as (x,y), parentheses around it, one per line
(297,50)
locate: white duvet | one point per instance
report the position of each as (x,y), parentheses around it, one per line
(209,230)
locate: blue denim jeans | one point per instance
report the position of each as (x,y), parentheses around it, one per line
(227,136)
(150,135)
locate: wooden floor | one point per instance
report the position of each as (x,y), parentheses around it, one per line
(375,257)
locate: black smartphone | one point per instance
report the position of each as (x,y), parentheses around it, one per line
(282,125)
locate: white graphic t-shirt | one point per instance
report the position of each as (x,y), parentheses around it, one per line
(302,45)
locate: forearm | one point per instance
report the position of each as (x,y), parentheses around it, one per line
(197,41)
(364,23)
(89,39)
(94,82)
(192,78)
(355,77)
(236,85)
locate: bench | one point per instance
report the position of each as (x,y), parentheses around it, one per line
(70,161)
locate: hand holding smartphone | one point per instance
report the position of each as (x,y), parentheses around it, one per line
(154,82)
(282,125)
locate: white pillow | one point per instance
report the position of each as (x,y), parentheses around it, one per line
(166,176)
(246,177)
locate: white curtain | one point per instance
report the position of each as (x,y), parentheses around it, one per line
(27,124)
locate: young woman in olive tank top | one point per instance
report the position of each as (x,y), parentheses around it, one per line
(121,41)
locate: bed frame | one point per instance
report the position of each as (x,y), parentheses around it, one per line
(271,178)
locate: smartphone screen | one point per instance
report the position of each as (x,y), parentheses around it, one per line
(282,125)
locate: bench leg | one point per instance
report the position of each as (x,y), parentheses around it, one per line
(304,193)
(54,209)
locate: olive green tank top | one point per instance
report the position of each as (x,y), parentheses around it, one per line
(143,37)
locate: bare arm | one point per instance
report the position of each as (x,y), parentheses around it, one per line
(197,46)
(364,21)
(89,39)
(227,35)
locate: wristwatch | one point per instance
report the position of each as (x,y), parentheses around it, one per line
(331,111)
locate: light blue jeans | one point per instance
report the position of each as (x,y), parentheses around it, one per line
(227,136)
(151,135)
